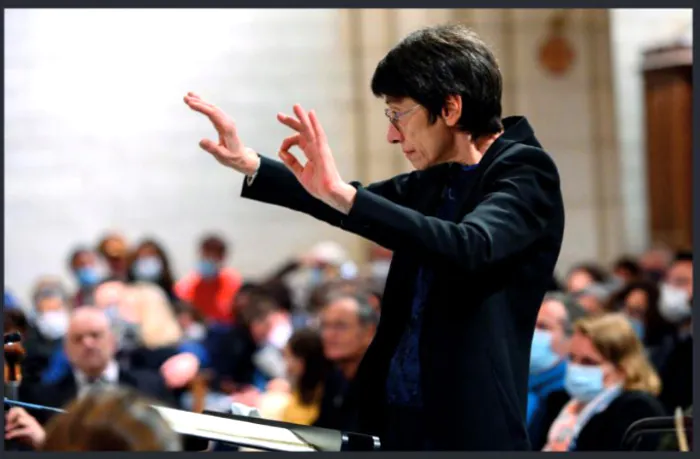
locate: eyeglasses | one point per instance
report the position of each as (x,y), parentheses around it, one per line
(339,327)
(395,116)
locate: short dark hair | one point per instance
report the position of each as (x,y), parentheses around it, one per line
(259,309)
(436,62)
(629,264)
(75,253)
(213,243)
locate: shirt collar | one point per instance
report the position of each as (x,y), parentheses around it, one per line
(109,375)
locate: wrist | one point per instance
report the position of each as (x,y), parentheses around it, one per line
(253,165)
(343,197)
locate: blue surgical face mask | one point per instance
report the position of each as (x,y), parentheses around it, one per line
(148,268)
(317,276)
(207,269)
(584,382)
(542,357)
(87,276)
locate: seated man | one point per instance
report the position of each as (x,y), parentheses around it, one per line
(348,324)
(90,346)
(550,346)
(241,357)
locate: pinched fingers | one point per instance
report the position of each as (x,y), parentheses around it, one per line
(291,141)
(291,162)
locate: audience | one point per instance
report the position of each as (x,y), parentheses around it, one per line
(626,269)
(49,322)
(676,354)
(212,288)
(584,275)
(83,265)
(593,298)
(150,264)
(611,384)
(639,301)
(90,347)
(236,373)
(607,350)
(114,250)
(348,323)
(307,369)
(191,321)
(655,262)
(548,362)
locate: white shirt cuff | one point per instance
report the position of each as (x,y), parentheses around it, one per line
(249,178)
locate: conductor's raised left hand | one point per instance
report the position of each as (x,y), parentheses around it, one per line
(319,175)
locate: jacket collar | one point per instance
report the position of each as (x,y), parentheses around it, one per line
(516,129)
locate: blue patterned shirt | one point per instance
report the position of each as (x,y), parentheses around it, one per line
(403,382)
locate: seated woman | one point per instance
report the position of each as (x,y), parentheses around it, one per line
(611,385)
(307,369)
(103,420)
(150,263)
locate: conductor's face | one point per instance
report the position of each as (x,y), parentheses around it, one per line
(423,143)
(90,343)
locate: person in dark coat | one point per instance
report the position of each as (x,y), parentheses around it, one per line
(91,348)
(476,231)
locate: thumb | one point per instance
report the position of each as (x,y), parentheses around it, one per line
(212,147)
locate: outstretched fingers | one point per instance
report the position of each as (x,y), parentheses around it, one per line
(290,122)
(223,124)
(318,129)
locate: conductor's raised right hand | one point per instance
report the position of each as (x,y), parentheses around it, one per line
(230,150)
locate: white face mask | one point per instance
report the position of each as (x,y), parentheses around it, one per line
(280,334)
(53,324)
(674,304)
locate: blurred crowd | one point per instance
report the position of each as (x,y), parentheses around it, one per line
(613,344)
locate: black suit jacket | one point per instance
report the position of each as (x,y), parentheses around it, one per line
(65,390)
(492,266)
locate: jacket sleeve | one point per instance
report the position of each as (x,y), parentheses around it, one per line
(522,197)
(275,184)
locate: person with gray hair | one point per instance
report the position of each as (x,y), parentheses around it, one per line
(594,298)
(550,345)
(348,323)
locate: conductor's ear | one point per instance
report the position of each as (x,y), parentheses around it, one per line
(452,110)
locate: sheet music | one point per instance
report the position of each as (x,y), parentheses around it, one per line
(233,431)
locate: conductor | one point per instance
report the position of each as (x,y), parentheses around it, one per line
(476,230)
